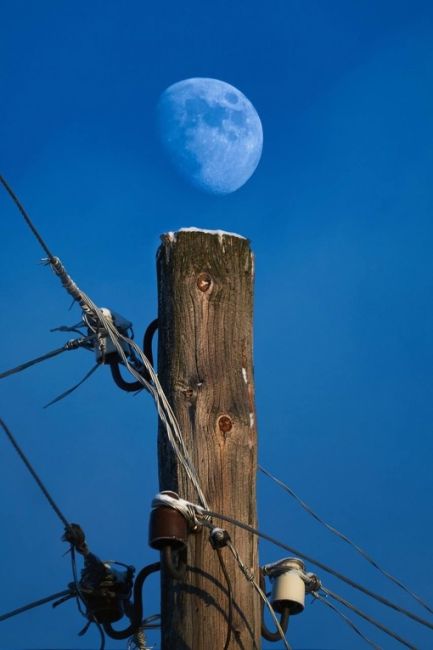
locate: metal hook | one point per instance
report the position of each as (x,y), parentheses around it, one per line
(134,386)
(284,622)
(176,570)
(135,614)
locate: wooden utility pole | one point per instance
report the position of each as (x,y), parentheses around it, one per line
(205,285)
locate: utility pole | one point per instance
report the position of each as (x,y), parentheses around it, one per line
(205,303)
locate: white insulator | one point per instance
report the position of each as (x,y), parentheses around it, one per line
(288,586)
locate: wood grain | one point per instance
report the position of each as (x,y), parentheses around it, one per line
(205,289)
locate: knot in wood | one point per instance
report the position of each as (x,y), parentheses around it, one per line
(225,423)
(204,281)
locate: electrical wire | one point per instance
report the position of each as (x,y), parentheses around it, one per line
(101,633)
(77,328)
(321,565)
(90,309)
(346,619)
(168,418)
(229,597)
(35,603)
(80,599)
(26,462)
(71,390)
(70,345)
(20,207)
(60,516)
(346,539)
(368,618)
(163,406)
(249,576)
(92,312)
(78,595)
(58,513)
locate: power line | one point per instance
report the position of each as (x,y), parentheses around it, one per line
(69,345)
(27,463)
(346,619)
(91,311)
(35,603)
(368,618)
(166,413)
(71,390)
(29,222)
(67,525)
(346,539)
(249,576)
(321,565)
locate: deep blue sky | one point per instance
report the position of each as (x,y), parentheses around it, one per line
(339,213)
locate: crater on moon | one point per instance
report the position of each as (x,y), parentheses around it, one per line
(211,133)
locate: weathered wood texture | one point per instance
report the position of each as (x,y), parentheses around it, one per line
(205,366)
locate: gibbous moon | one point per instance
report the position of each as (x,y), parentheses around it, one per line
(211,133)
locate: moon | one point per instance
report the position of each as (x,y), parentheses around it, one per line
(211,133)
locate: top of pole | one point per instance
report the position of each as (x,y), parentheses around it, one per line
(220,233)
